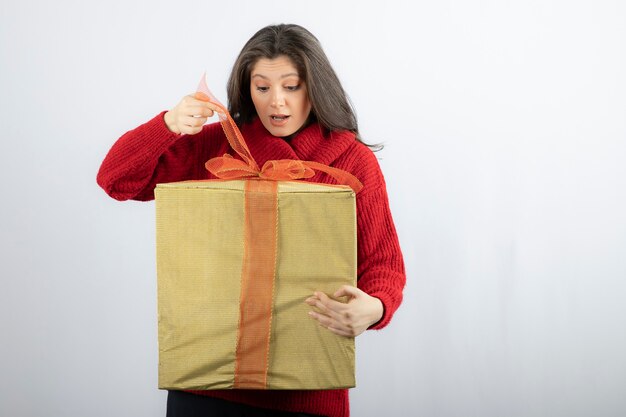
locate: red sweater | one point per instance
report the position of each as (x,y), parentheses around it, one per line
(151,154)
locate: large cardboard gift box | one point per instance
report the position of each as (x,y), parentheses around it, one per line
(223,323)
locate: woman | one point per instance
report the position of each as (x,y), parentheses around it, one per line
(289,104)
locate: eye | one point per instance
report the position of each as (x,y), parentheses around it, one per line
(292,87)
(262,89)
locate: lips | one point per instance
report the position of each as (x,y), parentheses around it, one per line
(279,119)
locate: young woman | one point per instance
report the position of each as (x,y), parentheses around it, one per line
(289,104)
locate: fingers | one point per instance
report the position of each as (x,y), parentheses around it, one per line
(202,100)
(191,125)
(325,304)
(189,115)
(332,325)
(193,121)
(348,291)
(191,106)
(346,319)
(331,314)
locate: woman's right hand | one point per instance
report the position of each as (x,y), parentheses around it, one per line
(189,115)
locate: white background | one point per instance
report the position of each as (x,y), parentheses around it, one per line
(505,132)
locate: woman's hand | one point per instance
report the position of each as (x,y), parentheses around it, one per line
(189,115)
(346,319)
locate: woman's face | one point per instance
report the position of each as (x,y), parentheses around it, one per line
(279,96)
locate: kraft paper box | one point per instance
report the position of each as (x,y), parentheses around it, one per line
(200,251)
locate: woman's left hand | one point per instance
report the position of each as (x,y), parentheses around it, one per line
(346,319)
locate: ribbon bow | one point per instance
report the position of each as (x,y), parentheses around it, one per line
(227,167)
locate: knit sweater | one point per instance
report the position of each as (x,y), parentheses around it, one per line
(152,154)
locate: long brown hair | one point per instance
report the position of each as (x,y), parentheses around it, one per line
(330,105)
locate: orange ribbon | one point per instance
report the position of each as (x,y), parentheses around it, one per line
(260,240)
(227,167)
(257,285)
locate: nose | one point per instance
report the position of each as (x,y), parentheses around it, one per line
(278,99)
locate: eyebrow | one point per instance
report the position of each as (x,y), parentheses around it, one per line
(291,74)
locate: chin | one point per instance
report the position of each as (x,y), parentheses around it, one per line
(279,132)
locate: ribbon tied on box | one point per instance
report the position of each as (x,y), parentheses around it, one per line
(227,167)
(260,240)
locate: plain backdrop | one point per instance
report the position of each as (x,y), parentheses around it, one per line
(505,131)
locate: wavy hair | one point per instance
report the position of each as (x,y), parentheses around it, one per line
(330,105)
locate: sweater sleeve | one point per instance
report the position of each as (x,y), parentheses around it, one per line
(148,155)
(381,271)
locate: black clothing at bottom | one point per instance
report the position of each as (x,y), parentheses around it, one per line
(185,404)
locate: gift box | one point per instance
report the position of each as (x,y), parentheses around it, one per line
(236,260)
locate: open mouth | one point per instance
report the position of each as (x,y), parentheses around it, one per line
(279,120)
